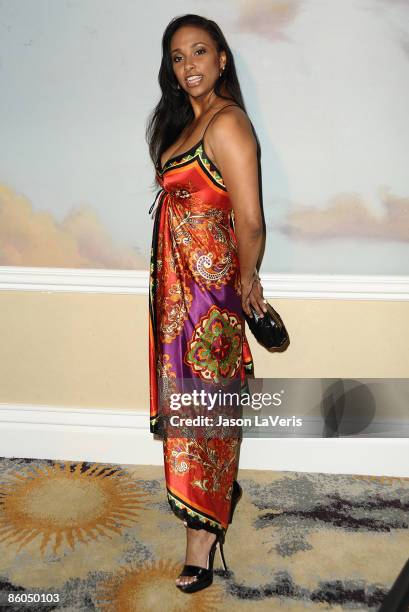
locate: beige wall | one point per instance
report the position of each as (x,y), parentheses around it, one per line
(91,350)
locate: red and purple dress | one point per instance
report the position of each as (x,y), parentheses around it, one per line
(196,327)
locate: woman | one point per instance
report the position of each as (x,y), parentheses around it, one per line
(207,237)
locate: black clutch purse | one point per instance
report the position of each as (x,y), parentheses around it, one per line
(269,330)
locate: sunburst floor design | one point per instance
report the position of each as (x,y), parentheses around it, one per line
(65,503)
(103,537)
(131,590)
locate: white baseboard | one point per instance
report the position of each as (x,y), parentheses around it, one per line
(292,286)
(118,436)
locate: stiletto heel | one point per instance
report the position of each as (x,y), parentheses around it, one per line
(204,576)
(221,553)
(235,498)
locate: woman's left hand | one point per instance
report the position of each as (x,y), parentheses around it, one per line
(252,294)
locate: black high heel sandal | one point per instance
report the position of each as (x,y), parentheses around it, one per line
(204,576)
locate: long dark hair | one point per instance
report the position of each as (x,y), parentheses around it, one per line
(174,111)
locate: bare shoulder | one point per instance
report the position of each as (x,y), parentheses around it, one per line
(229,118)
(230,125)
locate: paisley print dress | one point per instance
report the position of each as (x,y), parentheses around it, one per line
(196,328)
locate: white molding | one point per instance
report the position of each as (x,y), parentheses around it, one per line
(336,286)
(304,286)
(122,436)
(83,280)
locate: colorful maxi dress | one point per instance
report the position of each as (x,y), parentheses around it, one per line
(196,328)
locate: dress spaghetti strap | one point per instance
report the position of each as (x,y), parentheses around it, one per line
(216,113)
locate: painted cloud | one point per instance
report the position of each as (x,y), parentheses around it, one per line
(35,238)
(348,216)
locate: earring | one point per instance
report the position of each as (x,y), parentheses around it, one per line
(178,86)
(221,71)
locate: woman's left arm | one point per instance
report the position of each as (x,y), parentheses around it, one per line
(234,150)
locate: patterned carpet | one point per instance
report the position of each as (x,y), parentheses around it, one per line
(103,538)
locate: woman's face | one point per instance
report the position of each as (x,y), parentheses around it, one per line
(196,62)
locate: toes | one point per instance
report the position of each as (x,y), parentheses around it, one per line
(183,581)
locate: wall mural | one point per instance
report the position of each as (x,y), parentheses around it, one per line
(326,86)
